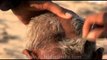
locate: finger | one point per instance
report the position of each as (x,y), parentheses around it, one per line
(100,18)
(54,8)
(86,28)
(94,34)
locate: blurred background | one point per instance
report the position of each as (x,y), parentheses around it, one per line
(13,32)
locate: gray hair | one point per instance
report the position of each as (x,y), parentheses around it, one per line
(46,30)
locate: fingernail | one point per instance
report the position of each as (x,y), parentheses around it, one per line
(68,15)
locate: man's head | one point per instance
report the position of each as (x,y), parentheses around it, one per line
(47,40)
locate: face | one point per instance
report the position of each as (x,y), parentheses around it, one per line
(4,5)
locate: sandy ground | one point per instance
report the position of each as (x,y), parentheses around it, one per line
(13,32)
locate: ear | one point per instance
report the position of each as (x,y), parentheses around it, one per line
(27,53)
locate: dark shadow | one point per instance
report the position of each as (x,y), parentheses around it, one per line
(4,36)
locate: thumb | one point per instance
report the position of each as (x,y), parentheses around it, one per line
(86,28)
(94,34)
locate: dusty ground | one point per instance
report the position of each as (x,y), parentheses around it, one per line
(12,31)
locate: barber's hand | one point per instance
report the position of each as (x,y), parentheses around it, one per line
(52,7)
(97,19)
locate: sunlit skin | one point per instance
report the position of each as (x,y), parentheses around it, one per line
(95,19)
